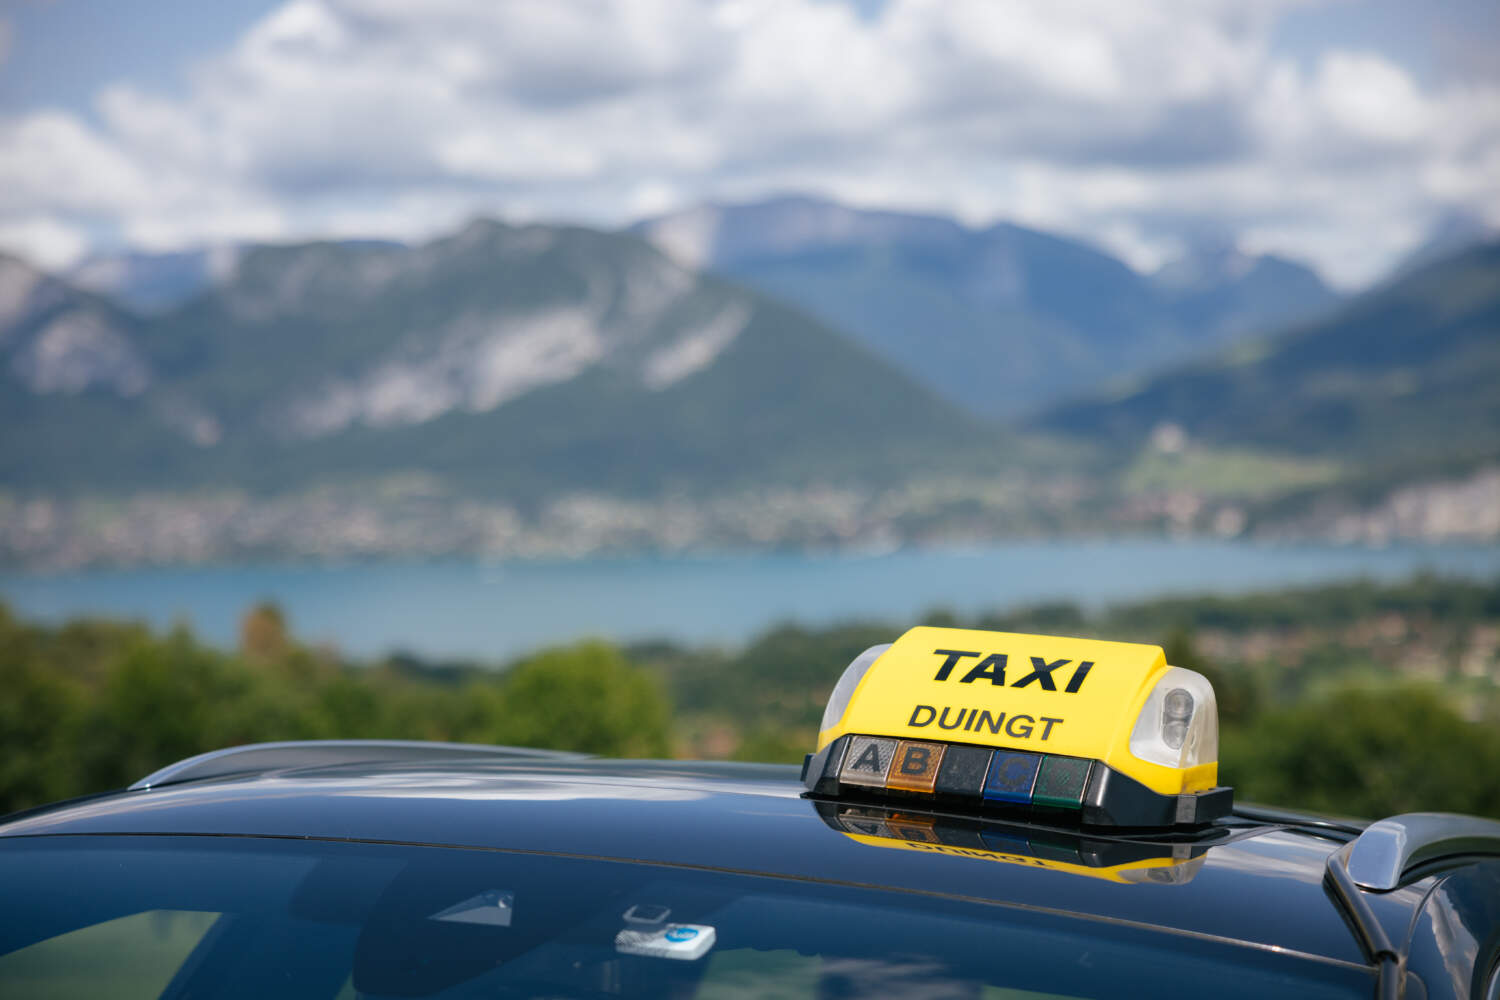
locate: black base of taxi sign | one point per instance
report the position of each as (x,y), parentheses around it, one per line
(1000,781)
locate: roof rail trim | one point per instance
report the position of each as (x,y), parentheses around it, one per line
(1390,847)
(1301,820)
(1368,930)
(260,757)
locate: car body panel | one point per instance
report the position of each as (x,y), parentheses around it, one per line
(294,917)
(1259,884)
(1455,938)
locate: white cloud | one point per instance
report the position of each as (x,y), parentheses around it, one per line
(1130,123)
(1369,98)
(53,162)
(45,241)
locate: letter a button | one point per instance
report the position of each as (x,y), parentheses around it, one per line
(867,761)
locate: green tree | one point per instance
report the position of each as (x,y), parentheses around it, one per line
(171,698)
(1367,753)
(583,697)
(38,706)
(770,745)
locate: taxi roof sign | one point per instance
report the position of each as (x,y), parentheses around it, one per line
(1005,719)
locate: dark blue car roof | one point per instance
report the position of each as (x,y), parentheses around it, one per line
(1260,883)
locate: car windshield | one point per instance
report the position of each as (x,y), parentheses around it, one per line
(182,917)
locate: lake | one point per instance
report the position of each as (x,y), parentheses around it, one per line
(467,609)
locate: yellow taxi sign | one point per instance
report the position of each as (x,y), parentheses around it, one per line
(1076,698)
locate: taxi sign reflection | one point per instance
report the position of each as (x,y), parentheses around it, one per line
(1056,850)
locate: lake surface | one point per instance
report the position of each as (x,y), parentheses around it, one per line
(466,609)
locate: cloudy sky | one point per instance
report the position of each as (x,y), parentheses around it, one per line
(1336,131)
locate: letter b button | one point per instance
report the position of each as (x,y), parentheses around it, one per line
(915,766)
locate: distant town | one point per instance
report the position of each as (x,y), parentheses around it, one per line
(410,521)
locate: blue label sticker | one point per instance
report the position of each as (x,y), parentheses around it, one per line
(682,934)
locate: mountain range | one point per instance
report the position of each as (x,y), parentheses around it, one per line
(520,367)
(1002,319)
(510,361)
(526,361)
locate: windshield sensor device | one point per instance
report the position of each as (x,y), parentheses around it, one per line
(684,942)
(1104,734)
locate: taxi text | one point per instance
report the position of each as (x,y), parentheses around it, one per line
(992,668)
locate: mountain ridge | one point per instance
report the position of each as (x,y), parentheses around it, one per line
(1401,375)
(505,359)
(1001,319)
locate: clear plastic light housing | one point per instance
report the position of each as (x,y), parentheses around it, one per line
(1179,724)
(1179,874)
(855,672)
